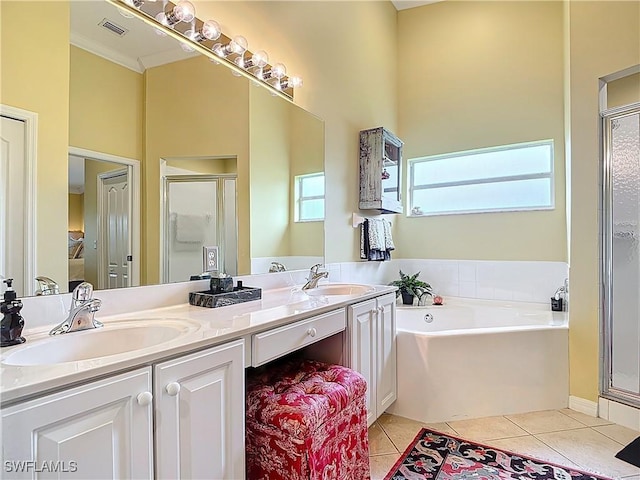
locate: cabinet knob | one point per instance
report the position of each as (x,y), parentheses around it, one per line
(381,309)
(144,398)
(173,388)
(312,332)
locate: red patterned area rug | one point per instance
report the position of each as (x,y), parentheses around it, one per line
(437,456)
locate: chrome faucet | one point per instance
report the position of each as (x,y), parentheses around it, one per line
(314,277)
(277,267)
(82,311)
(47,286)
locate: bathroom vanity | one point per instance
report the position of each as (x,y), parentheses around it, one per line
(171,404)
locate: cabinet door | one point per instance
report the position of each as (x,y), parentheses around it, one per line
(200,414)
(100,430)
(386,353)
(362,346)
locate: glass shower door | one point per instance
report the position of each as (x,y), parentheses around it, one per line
(621,262)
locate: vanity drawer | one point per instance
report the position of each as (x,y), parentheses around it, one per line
(272,344)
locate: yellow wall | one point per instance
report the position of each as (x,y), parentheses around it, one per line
(76,211)
(604,39)
(307,156)
(269,138)
(106,106)
(481,74)
(624,91)
(205,165)
(194,123)
(35,77)
(345,52)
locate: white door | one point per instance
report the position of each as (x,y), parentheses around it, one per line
(387,389)
(100,430)
(114,249)
(362,346)
(200,414)
(12,212)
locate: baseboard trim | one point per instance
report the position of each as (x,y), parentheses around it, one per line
(583,405)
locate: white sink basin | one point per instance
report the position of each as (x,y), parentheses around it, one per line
(112,339)
(339,289)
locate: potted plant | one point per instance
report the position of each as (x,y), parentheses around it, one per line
(409,286)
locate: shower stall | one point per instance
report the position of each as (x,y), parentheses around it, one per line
(620,266)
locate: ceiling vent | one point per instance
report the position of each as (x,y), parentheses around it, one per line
(113,27)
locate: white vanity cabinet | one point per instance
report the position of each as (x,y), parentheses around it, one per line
(371,350)
(200,414)
(103,429)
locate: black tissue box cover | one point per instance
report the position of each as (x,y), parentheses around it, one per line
(211,299)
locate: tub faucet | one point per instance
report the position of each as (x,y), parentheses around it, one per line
(82,311)
(314,277)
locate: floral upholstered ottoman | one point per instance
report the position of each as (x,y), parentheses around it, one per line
(306,420)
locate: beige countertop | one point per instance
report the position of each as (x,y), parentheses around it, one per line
(203,327)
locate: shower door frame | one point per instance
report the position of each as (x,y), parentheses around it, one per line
(607,389)
(218,179)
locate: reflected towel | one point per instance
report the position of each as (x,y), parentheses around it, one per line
(190,228)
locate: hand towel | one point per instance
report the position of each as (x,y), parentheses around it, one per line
(190,228)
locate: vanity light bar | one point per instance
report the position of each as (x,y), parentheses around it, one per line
(220,48)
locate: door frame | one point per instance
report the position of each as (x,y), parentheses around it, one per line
(101,233)
(30,200)
(133,167)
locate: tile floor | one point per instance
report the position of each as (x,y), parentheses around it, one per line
(564,437)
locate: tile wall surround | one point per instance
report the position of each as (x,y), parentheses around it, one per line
(498,280)
(490,280)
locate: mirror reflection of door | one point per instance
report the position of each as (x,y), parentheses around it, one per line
(199,209)
(113,213)
(100,237)
(12,215)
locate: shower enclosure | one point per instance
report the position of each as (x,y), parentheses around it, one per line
(620,269)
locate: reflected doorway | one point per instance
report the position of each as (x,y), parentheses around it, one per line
(103,221)
(198,209)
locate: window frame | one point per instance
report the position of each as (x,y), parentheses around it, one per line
(299,199)
(496,179)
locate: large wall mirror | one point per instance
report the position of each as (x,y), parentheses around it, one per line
(170,152)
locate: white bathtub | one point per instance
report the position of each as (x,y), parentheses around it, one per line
(476,358)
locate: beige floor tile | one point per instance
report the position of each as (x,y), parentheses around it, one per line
(379,443)
(441,427)
(488,428)
(545,421)
(620,434)
(532,447)
(589,449)
(381,464)
(588,420)
(631,477)
(402,431)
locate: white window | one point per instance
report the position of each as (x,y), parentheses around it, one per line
(309,197)
(496,179)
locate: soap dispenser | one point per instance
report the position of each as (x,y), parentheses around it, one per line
(12,322)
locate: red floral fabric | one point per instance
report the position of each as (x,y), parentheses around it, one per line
(306,420)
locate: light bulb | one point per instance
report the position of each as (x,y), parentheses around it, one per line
(239,61)
(259,59)
(184,11)
(238,45)
(294,81)
(278,70)
(134,3)
(218,49)
(186,47)
(211,30)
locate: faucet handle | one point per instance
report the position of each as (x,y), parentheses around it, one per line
(83,292)
(315,268)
